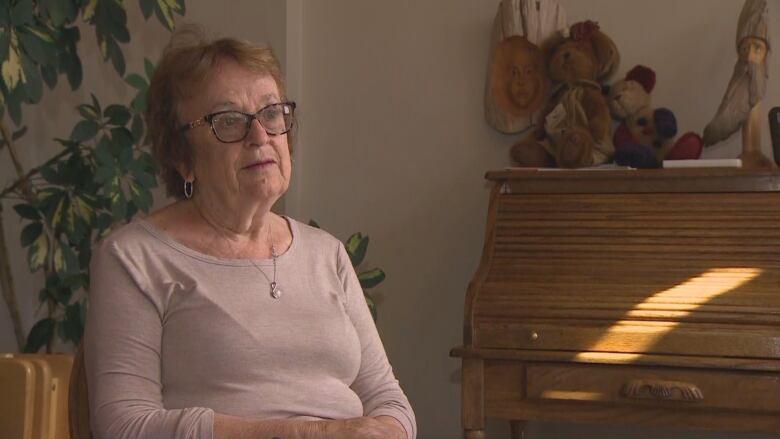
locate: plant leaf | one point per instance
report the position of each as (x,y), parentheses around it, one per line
(12,67)
(84,130)
(136,81)
(72,325)
(164,14)
(74,71)
(30,233)
(104,174)
(39,250)
(147,7)
(118,205)
(137,128)
(5,19)
(59,217)
(50,174)
(117,114)
(71,262)
(22,13)
(88,112)
(139,102)
(59,11)
(42,52)
(27,211)
(33,85)
(5,40)
(58,259)
(103,152)
(356,246)
(49,74)
(371,306)
(371,278)
(40,335)
(96,103)
(14,103)
(19,133)
(121,139)
(148,68)
(140,196)
(83,210)
(117,57)
(88,10)
(145,179)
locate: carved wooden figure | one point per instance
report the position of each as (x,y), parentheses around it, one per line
(741,104)
(516,86)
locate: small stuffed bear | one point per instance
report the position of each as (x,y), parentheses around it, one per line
(646,135)
(576,129)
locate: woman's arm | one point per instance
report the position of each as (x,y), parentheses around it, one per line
(375,384)
(122,348)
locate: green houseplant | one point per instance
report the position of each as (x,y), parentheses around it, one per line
(101,174)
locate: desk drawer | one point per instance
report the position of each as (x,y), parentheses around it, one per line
(631,337)
(654,386)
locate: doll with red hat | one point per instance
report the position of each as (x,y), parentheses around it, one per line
(646,136)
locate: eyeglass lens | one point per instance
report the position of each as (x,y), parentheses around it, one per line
(232,126)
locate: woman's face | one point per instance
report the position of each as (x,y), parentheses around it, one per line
(254,169)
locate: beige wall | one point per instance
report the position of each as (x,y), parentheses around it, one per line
(393,143)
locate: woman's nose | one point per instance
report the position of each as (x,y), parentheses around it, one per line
(257,133)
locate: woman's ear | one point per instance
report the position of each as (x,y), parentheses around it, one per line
(186,172)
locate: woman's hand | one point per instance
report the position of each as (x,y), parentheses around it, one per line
(381,427)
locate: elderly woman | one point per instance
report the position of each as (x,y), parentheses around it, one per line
(214,317)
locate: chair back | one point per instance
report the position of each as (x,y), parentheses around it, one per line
(78,400)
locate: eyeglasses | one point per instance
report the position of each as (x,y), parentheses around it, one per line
(233,126)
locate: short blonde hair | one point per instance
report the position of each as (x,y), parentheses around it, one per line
(187,63)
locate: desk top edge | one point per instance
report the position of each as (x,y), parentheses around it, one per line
(649,174)
(692,180)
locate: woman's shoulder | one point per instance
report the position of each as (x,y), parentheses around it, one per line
(129,238)
(312,235)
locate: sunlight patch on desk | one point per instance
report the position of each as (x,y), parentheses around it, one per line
(695,291)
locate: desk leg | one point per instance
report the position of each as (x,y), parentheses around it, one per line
(517,429)
(473,399)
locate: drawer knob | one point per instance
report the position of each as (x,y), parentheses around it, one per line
(533,336)
(665,390)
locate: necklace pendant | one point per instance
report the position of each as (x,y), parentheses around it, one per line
(275,291)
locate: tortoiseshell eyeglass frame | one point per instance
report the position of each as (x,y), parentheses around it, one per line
(250,116)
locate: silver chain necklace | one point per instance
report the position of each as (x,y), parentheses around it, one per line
(275,291)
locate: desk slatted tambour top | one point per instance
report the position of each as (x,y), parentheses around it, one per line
(647,297)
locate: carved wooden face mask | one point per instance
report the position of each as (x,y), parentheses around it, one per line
(520,84)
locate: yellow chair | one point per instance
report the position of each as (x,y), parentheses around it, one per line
(35,388)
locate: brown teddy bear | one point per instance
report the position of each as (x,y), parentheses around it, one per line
(576,129)
(646,136)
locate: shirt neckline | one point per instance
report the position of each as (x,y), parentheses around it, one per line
(165,238)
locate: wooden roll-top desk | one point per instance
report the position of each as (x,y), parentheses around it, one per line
(629,297)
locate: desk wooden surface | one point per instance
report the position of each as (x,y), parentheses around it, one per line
(646,297)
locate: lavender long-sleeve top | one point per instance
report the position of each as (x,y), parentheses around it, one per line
(174,336)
